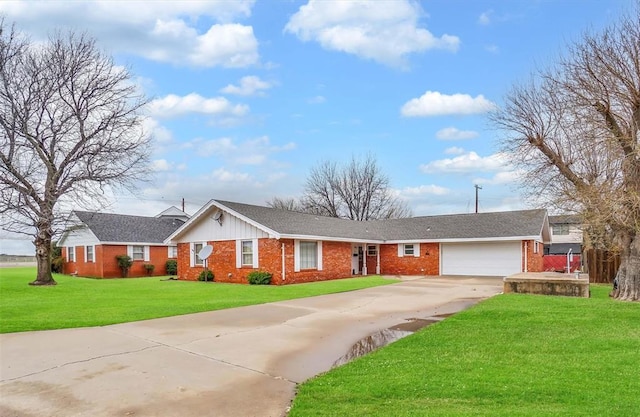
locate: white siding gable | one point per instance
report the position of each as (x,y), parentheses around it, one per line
(230,228)
(80,236)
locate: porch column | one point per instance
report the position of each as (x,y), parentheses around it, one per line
(377,259)
(364,260)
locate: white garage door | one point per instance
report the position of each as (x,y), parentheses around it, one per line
(481,258)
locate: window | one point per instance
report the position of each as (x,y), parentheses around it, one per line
(372,250)
(71,254)
(535,247)
(561,229)
(197,247)
(137,253)
(409,249)
(308,255)
(173,252)
(247,253)
(89,253)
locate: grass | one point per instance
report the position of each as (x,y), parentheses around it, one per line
(512,355)
(81,302)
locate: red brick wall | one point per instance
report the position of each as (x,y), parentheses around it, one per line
(535,261)
(82,268)
(392,264)
(336,262)
(106,265)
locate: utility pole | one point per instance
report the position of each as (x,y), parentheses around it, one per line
(477,188)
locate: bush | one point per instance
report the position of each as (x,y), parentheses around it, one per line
(171,267)
(149,268)
(57,261)
(206,275)
(124,262)
(259,278)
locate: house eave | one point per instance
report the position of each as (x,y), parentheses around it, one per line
(468,239)
(330,238)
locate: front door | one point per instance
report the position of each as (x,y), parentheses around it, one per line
(356,259)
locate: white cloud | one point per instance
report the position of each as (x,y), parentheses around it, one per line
(165,31)
(160,134)
(174,106)
(452,133)
(249,86)
(469,162)
(494,49)
(161,165)
(221,146)
(433,103)
(317,100)
(424,189)
(383,31)
(223,175)
(485,18)
(250,152)
(500,178)
(454,150)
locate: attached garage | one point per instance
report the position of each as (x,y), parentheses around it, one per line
(481,258)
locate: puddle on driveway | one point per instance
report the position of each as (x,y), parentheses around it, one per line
(370,343)
(384,337)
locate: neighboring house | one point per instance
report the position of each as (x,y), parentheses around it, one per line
(566,237)
(93,240)
(298,247)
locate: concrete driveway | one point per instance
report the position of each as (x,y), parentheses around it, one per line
(238,362)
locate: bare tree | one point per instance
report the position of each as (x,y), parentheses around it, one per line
(357,191)
(574,129)
(290,204)
(69,125)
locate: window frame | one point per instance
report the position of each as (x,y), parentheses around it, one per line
(172,252)
(133,253)
(374,252)
(197,261)
(92,258)
(405,252)
(71,253)
(310,248)
(246,244)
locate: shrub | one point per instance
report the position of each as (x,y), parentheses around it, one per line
(149,268)
(124,262)
(206,275)
(57,261)
(171,267)
(259,278)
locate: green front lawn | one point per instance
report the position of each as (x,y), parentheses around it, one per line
(512,355)
(80,302)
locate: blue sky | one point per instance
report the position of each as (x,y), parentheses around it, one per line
(247,96)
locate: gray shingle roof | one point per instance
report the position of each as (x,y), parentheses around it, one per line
(294,223)
(565,219)
(124,228)
(455,226)
(466,226)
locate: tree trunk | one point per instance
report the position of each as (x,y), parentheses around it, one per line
(628,276)
(43,255)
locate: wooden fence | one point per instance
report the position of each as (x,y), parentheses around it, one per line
(603,265)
